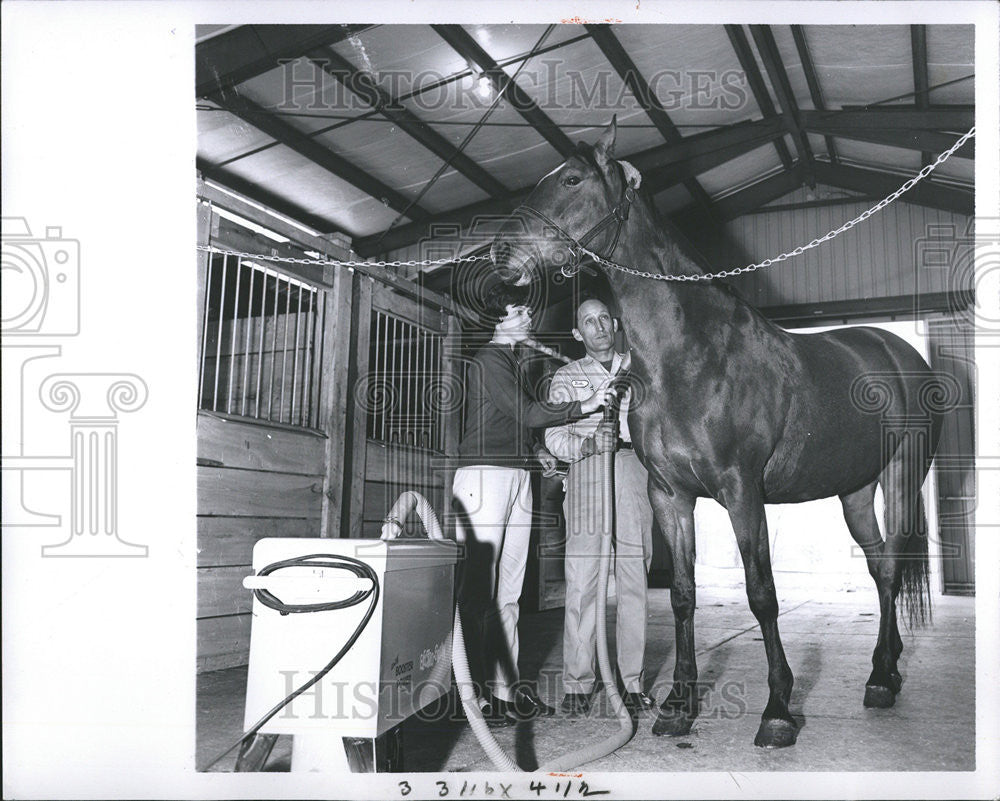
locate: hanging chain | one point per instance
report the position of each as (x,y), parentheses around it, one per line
(339,262)
(906,187)
(801,248)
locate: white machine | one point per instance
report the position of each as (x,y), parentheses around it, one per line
(385,606)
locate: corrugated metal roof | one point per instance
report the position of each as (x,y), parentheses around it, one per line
(694,73)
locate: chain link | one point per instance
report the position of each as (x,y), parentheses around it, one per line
(906,187)
(339,262)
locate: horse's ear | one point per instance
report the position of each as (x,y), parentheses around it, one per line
(604,147)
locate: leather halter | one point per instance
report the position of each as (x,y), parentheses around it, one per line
(617,215)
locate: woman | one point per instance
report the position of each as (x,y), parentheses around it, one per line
(491,499)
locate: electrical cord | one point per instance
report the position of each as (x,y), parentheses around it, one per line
(271,601)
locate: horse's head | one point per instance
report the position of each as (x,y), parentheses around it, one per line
(582,203)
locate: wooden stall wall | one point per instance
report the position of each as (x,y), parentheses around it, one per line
(271,466)
(407,402)
(258,477)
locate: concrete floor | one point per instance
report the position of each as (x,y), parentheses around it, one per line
(828,640)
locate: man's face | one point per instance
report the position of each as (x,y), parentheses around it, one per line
(594,327)
(517,323)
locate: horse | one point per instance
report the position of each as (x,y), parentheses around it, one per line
(739,410)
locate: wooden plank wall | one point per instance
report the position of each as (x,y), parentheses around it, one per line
(254,481)
(392,469)
(258,479)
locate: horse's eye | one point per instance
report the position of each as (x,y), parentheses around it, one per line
(571,180)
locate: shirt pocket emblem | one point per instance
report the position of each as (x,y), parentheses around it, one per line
(579,382)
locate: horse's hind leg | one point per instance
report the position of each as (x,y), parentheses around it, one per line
(884,681)
(746,511)
(903,566)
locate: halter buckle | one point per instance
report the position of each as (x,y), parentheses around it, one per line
(573,267)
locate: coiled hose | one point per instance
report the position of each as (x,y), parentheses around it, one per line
(410,501)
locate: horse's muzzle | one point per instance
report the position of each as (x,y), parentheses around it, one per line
(511,262)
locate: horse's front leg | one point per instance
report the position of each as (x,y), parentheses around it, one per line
(745,503)
(675,514)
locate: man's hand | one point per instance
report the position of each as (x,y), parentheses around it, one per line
(598,399)
(587,447)
(604,437)
(547,461)
(626,362)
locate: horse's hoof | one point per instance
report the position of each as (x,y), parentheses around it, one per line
(776,733)
(672,725)
(877,697)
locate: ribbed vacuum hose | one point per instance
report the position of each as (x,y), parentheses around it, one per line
(625,731)
(502,761)
(460,664)
(404,504)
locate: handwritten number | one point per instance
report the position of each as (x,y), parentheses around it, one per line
(404,788)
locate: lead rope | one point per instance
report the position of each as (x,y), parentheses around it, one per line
(906,187)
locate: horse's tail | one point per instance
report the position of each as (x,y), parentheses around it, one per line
(914,590)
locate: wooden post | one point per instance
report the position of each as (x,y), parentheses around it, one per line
(352,516)
(451,365)
(335,396)
(204,238)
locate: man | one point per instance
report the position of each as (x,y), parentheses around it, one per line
(491,499)
(574,442)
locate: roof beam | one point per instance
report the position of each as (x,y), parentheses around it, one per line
(938,118)
(264,197)
(245,52)
(467,47)
(760,193)
(812,81)
(910,139)
(880,184)
(905,306)
(740,44)
(748,199)
(404,235)
(771,57)
(363,84)
(707,150)
(908,127)
(672,172)
(918,47)
(708,142)
(629,73)
(306,146)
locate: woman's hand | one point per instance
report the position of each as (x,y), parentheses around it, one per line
(547,461)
